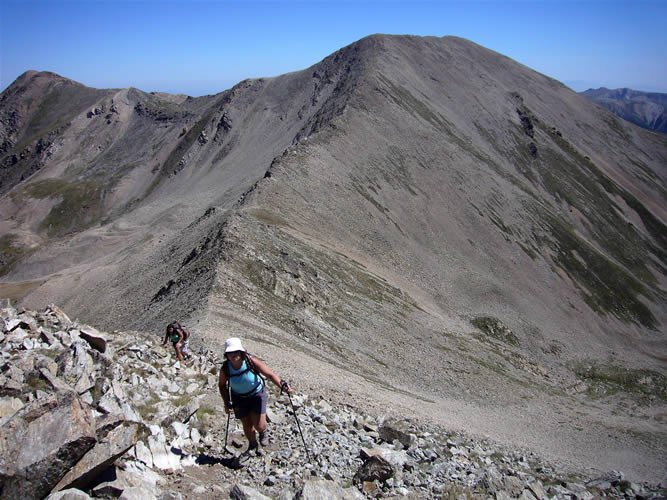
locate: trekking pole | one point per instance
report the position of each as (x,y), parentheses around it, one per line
(226,432)
(283,386)
(228,410)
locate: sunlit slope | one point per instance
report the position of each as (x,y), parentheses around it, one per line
(457,185)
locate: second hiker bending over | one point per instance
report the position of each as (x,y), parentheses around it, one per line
(179,339)
(241,375)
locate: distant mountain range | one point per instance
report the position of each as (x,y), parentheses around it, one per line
(646,109)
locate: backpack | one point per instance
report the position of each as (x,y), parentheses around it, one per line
(177,326)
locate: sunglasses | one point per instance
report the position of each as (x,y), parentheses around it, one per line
(234,353)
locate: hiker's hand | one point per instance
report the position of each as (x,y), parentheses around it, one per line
(284,386)
(228,408)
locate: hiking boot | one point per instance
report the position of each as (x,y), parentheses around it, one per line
(264,438)
(252,451)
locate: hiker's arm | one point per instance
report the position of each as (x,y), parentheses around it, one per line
(222,387)
(270,374)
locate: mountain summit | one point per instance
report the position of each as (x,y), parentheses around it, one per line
(457,235)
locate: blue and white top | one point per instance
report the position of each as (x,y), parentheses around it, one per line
(244,382)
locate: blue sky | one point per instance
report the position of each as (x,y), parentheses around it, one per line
(202,47)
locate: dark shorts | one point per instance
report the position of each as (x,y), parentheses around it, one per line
(253,404)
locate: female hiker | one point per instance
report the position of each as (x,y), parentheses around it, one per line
(241,375)
(179,338)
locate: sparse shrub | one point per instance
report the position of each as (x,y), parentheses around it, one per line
(205,410)
(611,379)
(10,252)
(36,382)
(147,409)
(496,329)
(182,400)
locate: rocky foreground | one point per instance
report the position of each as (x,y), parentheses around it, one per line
(88,414)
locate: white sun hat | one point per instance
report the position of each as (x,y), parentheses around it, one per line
(233,344)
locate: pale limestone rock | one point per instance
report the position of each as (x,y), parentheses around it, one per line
(321,489)
(143,454)
(8,407)
(137,493)
(398,458)
(195,436)
(180,429)
(71,494)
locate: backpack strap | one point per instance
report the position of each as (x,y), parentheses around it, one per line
(249,363)
(250,366)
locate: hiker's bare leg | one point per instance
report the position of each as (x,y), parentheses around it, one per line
(259,421)
(248,428)
(177,348)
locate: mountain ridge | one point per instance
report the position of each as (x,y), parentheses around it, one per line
(645,109)
(404,199)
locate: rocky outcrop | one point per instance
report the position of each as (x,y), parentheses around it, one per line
(67,413)
(128,422)
(42,441)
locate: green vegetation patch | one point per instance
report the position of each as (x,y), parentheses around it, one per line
(495,328)
(10,253)
(80,206)
(182,400)
(606,286)
(148,409)
(36,382)
(620,248)
(615,268)
(573,177)
(204,412)
(608,379)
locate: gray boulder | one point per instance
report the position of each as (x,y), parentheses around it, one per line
(375,468)
(41,442)
(392,430)
(102,455)
(241,492)
(128,475)
(8,407)
(96,339)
